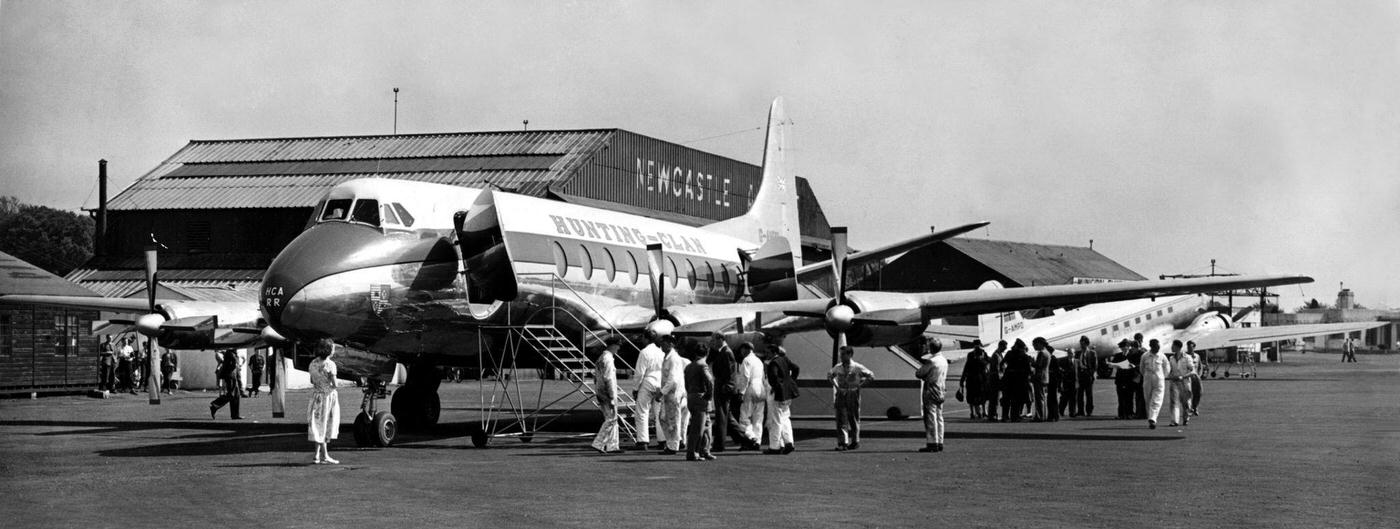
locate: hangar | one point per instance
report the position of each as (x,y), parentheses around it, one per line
(44,348)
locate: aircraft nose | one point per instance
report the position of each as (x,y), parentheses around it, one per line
(324,250)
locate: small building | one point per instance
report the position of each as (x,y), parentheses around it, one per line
(44,349)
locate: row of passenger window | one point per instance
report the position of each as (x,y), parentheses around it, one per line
(1138,320)
(716,277)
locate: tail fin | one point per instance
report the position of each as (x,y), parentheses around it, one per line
(998,326)
(772,219)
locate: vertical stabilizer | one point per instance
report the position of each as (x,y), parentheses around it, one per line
(772,221)
(999,325)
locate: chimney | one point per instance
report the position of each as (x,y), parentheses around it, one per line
(100,234)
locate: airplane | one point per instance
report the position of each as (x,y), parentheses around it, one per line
(1185,318)
(428,275)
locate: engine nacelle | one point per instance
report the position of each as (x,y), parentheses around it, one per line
(1210,321)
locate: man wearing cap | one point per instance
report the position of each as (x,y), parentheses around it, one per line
(605,390)
(672,395)
(973,380)
(846,379)
(753,390)
(648,390)
(782,388)
(1154,369)
(933,372)
(700,392)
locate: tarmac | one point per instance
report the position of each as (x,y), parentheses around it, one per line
(1309,443)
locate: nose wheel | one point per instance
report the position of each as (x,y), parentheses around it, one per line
(374,428)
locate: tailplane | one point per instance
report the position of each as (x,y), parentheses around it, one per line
(772,220)
(998,325)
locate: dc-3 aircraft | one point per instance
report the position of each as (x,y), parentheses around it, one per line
(430,275)
(1185,318)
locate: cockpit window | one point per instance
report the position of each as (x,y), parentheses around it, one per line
(366,211)
(387,213)
(336,209)
(404,217)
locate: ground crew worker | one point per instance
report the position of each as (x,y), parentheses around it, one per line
(648,391)
(1016,380)
(672,395)
(933,372)
(1040,379)
(700,392)
(605,390)
(995,368)
(1087,368)
(754,391)
(782,388)
(1154,369)
(846,379)
(973,380)
(256,362)
(1201,367)
(1179,390)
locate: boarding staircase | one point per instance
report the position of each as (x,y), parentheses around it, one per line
(572,364)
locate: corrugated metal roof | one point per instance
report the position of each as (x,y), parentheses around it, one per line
(20,277)
(397,146)
(222,291)
(196,275)
(1042,264)
(283,191)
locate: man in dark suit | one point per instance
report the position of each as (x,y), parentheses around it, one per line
(1086,368)
(228,373)
(995,369)
(1135,357)
(727,396)
(782,381)
(1015,381)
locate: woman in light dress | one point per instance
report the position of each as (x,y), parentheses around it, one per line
(323,412)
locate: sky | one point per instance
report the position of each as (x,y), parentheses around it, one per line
(1262,134)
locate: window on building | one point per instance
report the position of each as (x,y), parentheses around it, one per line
(65,334)
(198,236)
(561,260)
(7,335)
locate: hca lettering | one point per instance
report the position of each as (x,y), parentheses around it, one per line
(682,183)
(625,235)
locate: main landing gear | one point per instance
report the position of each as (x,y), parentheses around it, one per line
(372,427)
(416,403)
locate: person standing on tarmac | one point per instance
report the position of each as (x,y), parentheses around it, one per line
(1064,366)
(700,392)
(256,362)
(1124,372)
(752,386)
(781,374)
(933,372)
(727,397)
(605,390)
(1135,356)
(1086,366)
(1040,379)
(1154,369)
(169,362)
(230,392)
(672,395)
(972,382)
(1201,368)
(1016,381)
(995,367)
(107,366)
(1183,367)
(648,390)
(846,379)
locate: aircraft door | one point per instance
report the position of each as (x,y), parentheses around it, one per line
(490,276)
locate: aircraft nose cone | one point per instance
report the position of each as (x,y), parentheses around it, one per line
(321,251)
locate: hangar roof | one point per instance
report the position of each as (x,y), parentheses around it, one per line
(19,277)
(1042,264)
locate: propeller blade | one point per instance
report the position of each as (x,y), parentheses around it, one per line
(838,263)
(657,275)
(799,313)
(151,278)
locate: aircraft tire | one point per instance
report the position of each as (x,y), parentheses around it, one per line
(417,407)
(480,439)
(362,430)
(385,429)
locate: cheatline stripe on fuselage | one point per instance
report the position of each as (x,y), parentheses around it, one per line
(1084,331)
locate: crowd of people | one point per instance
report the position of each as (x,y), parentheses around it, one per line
(1041,383)
(122,367)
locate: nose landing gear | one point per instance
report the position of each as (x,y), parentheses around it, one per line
(372,427)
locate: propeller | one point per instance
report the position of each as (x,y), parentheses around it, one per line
(839,316)
(149,325)
(660,326)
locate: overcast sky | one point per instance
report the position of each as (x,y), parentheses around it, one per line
(1265,135)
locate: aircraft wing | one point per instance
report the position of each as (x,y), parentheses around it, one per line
(822,269)
(187,324)
(1252,335)
(900,308)
(958,332)
(134,305)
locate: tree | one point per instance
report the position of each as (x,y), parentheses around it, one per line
(51,239)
